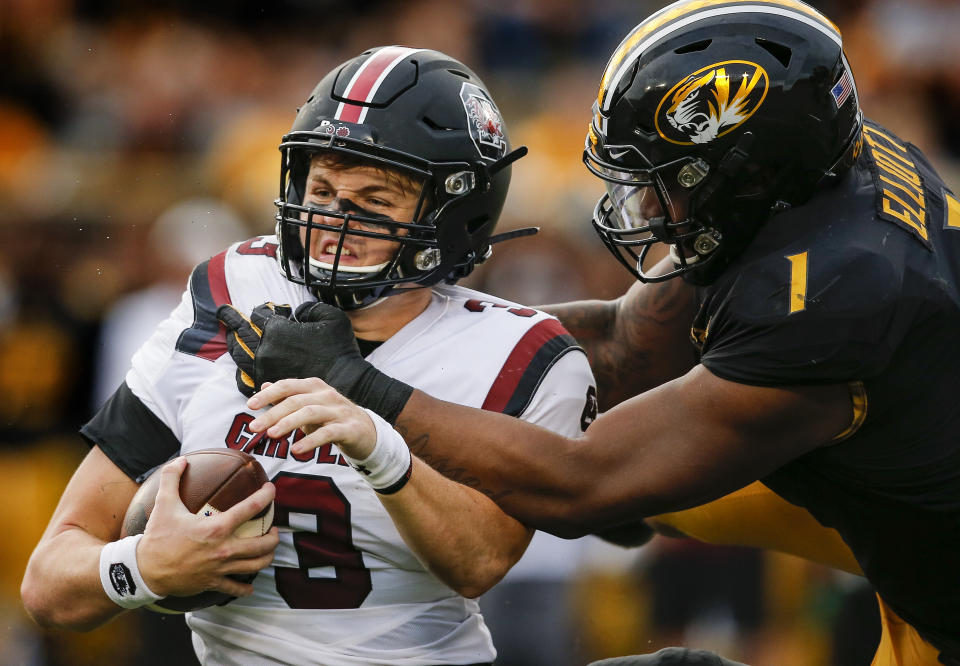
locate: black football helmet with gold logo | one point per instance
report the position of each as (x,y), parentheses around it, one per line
(711,116)
(417,112)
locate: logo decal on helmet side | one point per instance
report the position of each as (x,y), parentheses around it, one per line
(711,102)
(484,122)
(326,127)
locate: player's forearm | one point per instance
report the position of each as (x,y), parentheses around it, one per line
(460,535)
(61,587)
(682,444)
(635,342)
(532,473)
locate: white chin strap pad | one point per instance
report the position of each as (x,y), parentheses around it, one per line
(675,257)
(360,270)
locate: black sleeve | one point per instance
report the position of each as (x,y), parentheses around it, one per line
(130,434)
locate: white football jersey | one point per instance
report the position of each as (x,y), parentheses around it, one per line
(343,587)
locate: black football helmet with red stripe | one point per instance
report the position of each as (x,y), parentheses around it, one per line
(417,112)
(711,116)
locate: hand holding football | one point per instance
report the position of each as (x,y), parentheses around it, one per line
(213,481)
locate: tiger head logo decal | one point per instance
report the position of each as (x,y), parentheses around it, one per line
(711,102)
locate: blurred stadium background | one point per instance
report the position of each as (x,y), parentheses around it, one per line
(139,138)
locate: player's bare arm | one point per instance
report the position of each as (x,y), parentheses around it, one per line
(632,341)
(179,554)
(701,437)
(461,535)
(61,586)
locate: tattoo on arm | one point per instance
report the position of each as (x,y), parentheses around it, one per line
(636,342)
(419,445)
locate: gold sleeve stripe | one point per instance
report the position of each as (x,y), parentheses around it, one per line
(858,399)
(953,211)
(685,8)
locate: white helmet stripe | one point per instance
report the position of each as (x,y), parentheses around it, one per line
(628,62)
(365,82)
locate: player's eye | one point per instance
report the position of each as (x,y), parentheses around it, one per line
(321,194)
(379,203)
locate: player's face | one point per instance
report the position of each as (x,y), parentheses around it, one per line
(366,191)
(636,206)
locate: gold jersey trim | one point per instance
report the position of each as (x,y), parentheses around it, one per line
(858,400)
(953,211)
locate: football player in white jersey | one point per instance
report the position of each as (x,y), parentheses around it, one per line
(393,178)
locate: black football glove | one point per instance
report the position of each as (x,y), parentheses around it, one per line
(243,338)
(319,342)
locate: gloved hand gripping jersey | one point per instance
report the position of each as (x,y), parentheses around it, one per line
(317,341)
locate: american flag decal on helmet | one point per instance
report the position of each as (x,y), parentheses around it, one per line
(362,87)
(841,91)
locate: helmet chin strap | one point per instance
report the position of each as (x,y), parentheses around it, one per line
(685,260)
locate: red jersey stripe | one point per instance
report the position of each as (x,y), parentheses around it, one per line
(219,294)
(520,359)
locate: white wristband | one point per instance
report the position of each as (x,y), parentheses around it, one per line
(120,575)
(387,468)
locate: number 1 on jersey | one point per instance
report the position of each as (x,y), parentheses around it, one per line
(798,281)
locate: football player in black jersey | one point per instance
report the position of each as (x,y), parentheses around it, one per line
(819,264)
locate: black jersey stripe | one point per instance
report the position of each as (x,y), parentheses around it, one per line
(536,352)
(206,338)
(132,436)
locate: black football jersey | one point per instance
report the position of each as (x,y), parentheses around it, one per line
(860,286)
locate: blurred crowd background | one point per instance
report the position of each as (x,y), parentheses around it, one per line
(137,139)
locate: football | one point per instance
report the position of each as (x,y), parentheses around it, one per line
(213,481)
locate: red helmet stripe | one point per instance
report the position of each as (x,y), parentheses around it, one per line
(366,81)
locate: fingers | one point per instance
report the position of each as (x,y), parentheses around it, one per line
(247,347)
(184,553)
(317,311)
(316,409)
(306,404)
(245,383)
(352,436)
(233,587)
(249,507)
(242,336)
(266,311)
(272,393)
(248,556)
(253,549)
(168,492)
(296,412)
(231,317)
